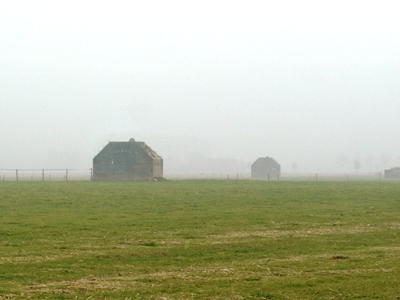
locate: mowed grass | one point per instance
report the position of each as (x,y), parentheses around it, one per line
(198,239)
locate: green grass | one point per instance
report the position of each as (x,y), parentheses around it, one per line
(200,239)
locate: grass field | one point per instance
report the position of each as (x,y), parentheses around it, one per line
(196,239)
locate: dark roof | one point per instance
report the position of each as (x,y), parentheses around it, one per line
(267,159)
(150,152)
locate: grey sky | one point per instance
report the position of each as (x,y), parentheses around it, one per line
(302,81)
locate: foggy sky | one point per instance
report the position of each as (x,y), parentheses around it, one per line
(306,82)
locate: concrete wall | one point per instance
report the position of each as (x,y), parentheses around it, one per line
(265,167)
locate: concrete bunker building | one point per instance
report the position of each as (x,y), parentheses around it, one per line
(266,167)
(392,173)
(127,161)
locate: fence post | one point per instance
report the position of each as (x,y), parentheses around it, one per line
(16,173)
(42,174)
(66,175)
(91,174)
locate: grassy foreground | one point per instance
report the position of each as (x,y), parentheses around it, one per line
(200,240)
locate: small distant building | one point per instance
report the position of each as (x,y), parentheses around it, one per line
(392,173)
(127,161)
(266,167)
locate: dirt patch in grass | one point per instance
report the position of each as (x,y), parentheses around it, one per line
(115,283)
(26,259)
(393,225)
(298,233)
(128,281)
(357,271)
(392,248)
(44,258)
(340,257)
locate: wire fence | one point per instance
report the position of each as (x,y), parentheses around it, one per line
(45,174)
(283,177)
(87,175)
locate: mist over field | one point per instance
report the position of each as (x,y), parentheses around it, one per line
(209,85)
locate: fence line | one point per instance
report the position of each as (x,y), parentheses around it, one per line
(45,174)
(87,175)
(282,177)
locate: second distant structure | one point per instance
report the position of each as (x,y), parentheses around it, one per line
(392,173)
(127,161)
(266,167)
